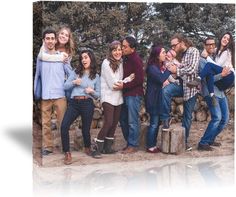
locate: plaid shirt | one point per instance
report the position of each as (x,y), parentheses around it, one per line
(189,71)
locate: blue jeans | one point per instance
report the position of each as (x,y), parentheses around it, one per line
(129,119)
(209,71)
(219,119)
(152,132)
(174,90)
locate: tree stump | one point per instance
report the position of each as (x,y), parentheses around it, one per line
(173,141)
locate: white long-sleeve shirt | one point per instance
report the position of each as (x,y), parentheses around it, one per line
(223,60)
(108,78)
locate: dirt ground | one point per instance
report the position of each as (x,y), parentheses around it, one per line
(79,158)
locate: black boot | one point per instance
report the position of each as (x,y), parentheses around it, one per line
(97,149)
(108,146)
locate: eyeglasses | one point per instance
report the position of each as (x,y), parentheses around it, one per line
(211,44)
(174,45)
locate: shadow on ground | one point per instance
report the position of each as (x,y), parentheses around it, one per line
(22,136)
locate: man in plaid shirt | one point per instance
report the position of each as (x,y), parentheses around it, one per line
(187,72)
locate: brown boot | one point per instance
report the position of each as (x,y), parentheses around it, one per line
(68,158)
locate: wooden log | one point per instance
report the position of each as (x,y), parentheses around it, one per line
(97,114)
(173,141)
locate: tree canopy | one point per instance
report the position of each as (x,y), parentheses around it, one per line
(95,24)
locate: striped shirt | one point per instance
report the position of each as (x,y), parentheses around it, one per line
(188,71)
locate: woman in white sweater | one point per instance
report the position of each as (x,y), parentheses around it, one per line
(111,72)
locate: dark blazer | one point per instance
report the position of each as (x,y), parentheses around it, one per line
(153,96)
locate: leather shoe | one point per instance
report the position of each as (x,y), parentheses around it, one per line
(68,158)
(130,150)
(123,149)
(204,147)
(155,150)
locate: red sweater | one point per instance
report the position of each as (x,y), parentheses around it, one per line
(133,64)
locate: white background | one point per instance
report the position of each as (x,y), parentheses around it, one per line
(16,102)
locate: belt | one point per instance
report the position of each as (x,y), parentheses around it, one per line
(80,97)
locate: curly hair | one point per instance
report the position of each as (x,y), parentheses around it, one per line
(93,65)
(181,38)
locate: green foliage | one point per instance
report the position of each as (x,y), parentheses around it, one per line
(95,24)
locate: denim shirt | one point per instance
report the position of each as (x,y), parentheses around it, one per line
(49,79)
(79,90)
(204,90)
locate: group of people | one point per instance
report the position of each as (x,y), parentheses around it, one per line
(120,89)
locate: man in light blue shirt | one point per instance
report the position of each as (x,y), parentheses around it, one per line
(219,110)
(49,87)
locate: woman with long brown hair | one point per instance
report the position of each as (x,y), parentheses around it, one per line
(111,99)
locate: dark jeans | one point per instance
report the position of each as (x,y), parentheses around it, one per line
(209,71)
(85,108)
(111,118)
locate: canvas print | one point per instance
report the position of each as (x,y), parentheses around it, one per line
(123,81)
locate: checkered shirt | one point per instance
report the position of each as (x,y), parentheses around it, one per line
(189,71)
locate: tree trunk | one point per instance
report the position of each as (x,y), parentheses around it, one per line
(173,141)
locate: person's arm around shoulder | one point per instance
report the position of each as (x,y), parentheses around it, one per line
(57,57)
